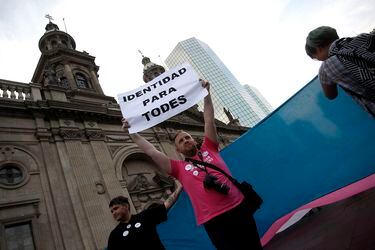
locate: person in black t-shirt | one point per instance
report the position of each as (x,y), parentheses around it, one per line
(138,231)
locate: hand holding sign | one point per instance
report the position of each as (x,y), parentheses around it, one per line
(165,96)
(125,125)
(205,84)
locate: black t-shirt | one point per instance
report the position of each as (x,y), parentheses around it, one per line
(140,232)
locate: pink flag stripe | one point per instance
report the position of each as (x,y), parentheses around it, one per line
(342,193)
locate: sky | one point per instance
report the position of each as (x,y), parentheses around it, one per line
(261,42)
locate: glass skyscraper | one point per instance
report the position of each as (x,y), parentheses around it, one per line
(225,90)
(258,97)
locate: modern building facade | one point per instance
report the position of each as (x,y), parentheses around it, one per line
(64,156)
(258,98)
(226,91)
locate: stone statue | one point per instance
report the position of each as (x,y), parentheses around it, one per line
(228,114)
(49,75)
(232,121)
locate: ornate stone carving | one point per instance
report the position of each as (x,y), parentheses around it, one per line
(151,139)
(141,183)
(69,134)
(123,183)
(100,188)
(120,138)
(67,122)
(171,130)
(91,124)
(113,149)
(145,190)
(43,134)
(49,75)
(95,134)
(162,181)
(7,152)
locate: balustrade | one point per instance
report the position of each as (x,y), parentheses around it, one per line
(14,91)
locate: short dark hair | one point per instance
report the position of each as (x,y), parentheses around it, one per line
(119,200)
(319,38)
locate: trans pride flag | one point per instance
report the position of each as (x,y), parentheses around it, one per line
(309,152)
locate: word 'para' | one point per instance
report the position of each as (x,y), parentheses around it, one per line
(158,96)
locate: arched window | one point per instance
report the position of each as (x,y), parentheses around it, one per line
(64,82)
(64,43)
(54,43)
(82,81)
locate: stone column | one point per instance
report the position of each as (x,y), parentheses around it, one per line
(69,75)
(35,91)
(108,185)
(86,201)
(96,182)
(95,81)
(59,211)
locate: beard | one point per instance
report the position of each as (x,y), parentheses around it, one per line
(190,152)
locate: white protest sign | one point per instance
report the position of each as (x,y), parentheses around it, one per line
(165,96)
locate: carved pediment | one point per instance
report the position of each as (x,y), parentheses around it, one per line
(139,183)
(163,181)
(145,190)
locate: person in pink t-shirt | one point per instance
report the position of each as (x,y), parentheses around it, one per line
(217,203)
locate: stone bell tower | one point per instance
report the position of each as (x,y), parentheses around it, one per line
(65,73)
(150,69)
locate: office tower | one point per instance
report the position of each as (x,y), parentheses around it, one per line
(226,91)
(258,97)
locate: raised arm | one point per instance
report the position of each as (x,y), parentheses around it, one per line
(208,113)
(328,85)
(330,91)
(168,203)
(161,160)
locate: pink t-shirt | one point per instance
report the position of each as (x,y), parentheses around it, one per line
(207,203)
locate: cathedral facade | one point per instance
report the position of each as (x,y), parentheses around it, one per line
(64,156)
